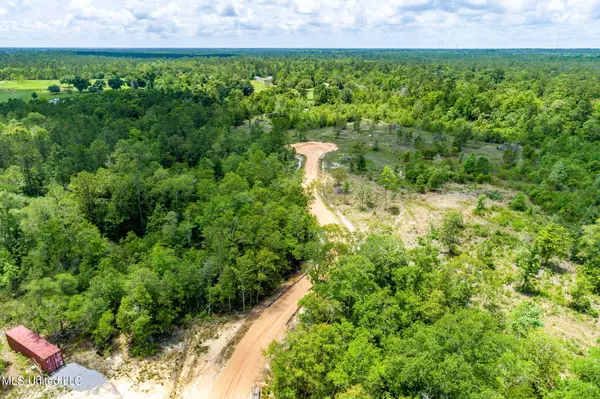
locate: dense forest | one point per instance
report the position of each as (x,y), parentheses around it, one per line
(173,195)
(128,211)
(386,322)
(548,108)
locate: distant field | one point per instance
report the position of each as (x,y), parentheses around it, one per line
(260,86)
(23,89)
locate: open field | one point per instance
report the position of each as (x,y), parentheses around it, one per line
(23,89)
(259,86)
(30,85)
(384,147)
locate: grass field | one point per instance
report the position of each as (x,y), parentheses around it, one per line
(23,89)
(259,86)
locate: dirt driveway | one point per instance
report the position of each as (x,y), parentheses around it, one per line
(247,363)
(314,151)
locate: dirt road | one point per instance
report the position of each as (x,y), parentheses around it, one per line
(313,152)
(246,364)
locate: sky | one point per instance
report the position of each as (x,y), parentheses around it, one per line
(301,23)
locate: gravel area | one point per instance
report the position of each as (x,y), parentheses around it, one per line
(79,378)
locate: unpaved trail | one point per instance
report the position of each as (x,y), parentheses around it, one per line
(314,151)
(246,365)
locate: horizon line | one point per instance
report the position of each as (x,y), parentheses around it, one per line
(287,48)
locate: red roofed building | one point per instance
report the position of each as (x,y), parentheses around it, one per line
(48,356)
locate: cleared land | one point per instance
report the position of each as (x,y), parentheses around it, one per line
(414,216)
(259,86)
(23,89)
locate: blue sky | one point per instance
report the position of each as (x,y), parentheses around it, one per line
(300,23)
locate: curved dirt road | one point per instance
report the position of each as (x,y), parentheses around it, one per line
(246,364)
(313,152)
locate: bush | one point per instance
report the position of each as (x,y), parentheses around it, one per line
(495,195)
(480,207)
(394,210)
(525,317)
(529,263)
(436,180)
(580,296)
(421,183)
(54,89)
(481,178)
(449,231)
(519,203)
(553,241)
(106,329)
(2,362)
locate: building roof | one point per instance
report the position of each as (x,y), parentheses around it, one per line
(32,341)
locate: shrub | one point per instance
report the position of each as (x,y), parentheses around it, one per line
(481,178)
(421,183)
(436,180)
(553,241)
(525,317)
(519,203)
(480,207)
(580,296)
(449,231)
(2,362)
(529,262)
(495,195)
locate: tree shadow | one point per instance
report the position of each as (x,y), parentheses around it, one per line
(556,268)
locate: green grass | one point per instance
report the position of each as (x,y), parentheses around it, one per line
(23,89)
(388,154)
(33,85)
(390,147)
(258,86)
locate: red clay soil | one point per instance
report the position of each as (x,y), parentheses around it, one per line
(244,368)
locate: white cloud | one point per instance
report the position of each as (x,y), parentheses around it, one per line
(350,23)
(19,5)
(309,7)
